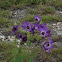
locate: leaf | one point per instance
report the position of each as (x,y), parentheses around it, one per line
(28,43)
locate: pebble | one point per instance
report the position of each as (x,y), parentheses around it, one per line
(54,24)
(2,37)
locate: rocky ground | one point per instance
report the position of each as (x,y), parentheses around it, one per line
(55,27)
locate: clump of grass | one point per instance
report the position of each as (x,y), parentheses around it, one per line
(16,3)
(57,50)
(44,1)
(57,3)
(5,4)
(60,57)
(34,39)
(4,21)
(6,50)
(29,17)
(24,54)
(34,11)
(49,10)
(5,13)
(50,18)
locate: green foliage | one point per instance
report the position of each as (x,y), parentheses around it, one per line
(29,17)
(28,43)
(6,50)
(7,4)
(50,18)
(44,1)
(4,21)
(57,3)
(35,1)
(49,10)
(32,11)
(57,50)
(5,13)
(24,54)
(18,1)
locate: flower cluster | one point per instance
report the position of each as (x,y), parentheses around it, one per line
(19,35)
(41,28)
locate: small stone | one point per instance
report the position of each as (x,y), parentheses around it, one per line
(58,28)
(54,24)
(58,23)
(18,42)
(18,46)
(2,37)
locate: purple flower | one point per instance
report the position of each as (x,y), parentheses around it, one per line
(36,25)
(24,39)
(44,32)
(26,26)
(37,18)
(32,30)
(14,29)
(48,45)
(43,25)
(19,36)
(48,50)
(37,43)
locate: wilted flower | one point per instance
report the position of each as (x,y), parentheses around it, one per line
(37,18)
(14,29)
(19,36)
(24,39)
(48,45)
(26,26)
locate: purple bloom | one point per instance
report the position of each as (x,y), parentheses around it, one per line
(26,26)
(37,43)
(14,29)
(48,45)
(48,51)
(19,36)
(44,32)
(32,30)
(43,25)
(36,25)
(37,18)
(24,39)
